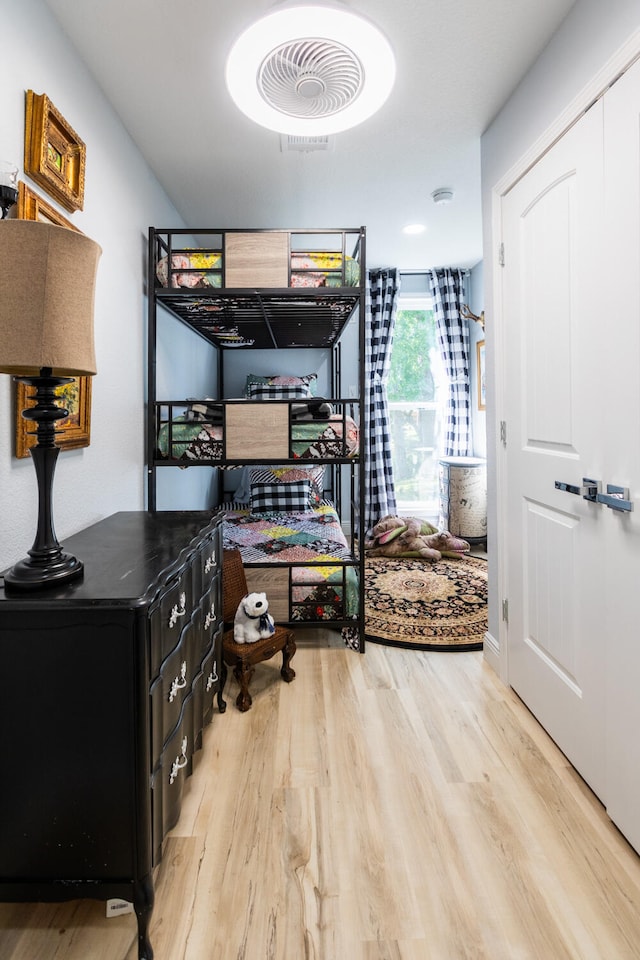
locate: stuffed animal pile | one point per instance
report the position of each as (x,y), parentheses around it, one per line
(412,537)
(253,621)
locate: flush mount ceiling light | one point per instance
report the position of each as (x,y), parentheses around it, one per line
(310,71)
(414,228)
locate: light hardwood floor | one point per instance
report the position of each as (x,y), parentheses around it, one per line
(391,806)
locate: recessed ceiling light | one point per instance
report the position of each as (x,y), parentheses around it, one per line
(310,71)
(414,228)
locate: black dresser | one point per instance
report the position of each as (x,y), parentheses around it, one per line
(107,686)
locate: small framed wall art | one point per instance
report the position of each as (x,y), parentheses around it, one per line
(74,432)
(54,155)
(31,206)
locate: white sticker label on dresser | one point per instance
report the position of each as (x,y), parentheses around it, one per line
(116,908)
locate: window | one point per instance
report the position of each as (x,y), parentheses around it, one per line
(415,389)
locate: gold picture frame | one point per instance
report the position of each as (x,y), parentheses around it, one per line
(480,371)
(75,431)
(31,206)
(54,154)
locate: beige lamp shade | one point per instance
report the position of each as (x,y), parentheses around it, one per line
(47,293)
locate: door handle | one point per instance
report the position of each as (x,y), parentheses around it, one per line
(567,487)
(616,498)
(589,490)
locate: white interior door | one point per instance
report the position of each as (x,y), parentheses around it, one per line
(552,231)
(620,349)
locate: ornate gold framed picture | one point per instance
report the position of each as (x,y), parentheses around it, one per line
(31,206)
(74,432)
(54,155)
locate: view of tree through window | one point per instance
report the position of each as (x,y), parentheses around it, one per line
(414,393)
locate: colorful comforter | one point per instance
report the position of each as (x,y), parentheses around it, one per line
(320,591)
(191,440)
(317,269)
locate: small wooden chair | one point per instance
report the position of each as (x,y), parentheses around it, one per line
(243,656)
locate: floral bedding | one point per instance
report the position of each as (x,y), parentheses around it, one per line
(321,591)
(195,268)
(191,440)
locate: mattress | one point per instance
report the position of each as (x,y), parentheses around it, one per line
(320,591)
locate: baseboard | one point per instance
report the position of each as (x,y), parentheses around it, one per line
(491,650)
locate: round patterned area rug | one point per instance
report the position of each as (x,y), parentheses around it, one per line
(429,606)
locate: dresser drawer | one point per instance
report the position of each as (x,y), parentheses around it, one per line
(172,686)
(210,614)
(168,616)
(167,781)
(205,687)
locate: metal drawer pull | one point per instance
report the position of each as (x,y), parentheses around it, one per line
(178,682)
(616,498)
(180,761)
(589,489)
(210,617)
(211,679)
(178,611)
(211,564)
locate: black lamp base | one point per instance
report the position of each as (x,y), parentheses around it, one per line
(32,574)
(46,565)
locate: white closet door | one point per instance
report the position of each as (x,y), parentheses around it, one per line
(557,409)
(620,399)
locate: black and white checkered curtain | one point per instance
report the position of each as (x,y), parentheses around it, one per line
(380,317)
(447,288)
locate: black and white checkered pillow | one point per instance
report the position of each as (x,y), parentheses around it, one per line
(267,391)
(280,497)
(289,473)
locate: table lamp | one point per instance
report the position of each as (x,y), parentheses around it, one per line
(47,287)
(8,187)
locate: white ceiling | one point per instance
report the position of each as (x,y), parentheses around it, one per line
(161,64)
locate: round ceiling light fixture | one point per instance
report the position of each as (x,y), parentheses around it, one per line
(310,71)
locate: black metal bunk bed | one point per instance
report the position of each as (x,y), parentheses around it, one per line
(267,290)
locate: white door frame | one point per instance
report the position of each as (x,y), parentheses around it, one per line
(625,56)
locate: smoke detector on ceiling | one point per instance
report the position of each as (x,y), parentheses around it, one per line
(310,71)
(442,195)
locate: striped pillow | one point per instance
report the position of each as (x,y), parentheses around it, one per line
(308,380)
(267,391)
(289,474)
(280,497)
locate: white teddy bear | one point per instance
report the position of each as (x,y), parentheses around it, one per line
(252,621)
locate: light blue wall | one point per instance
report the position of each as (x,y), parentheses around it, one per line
(122,198)
(239,363)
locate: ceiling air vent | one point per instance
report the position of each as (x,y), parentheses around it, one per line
(305,144)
